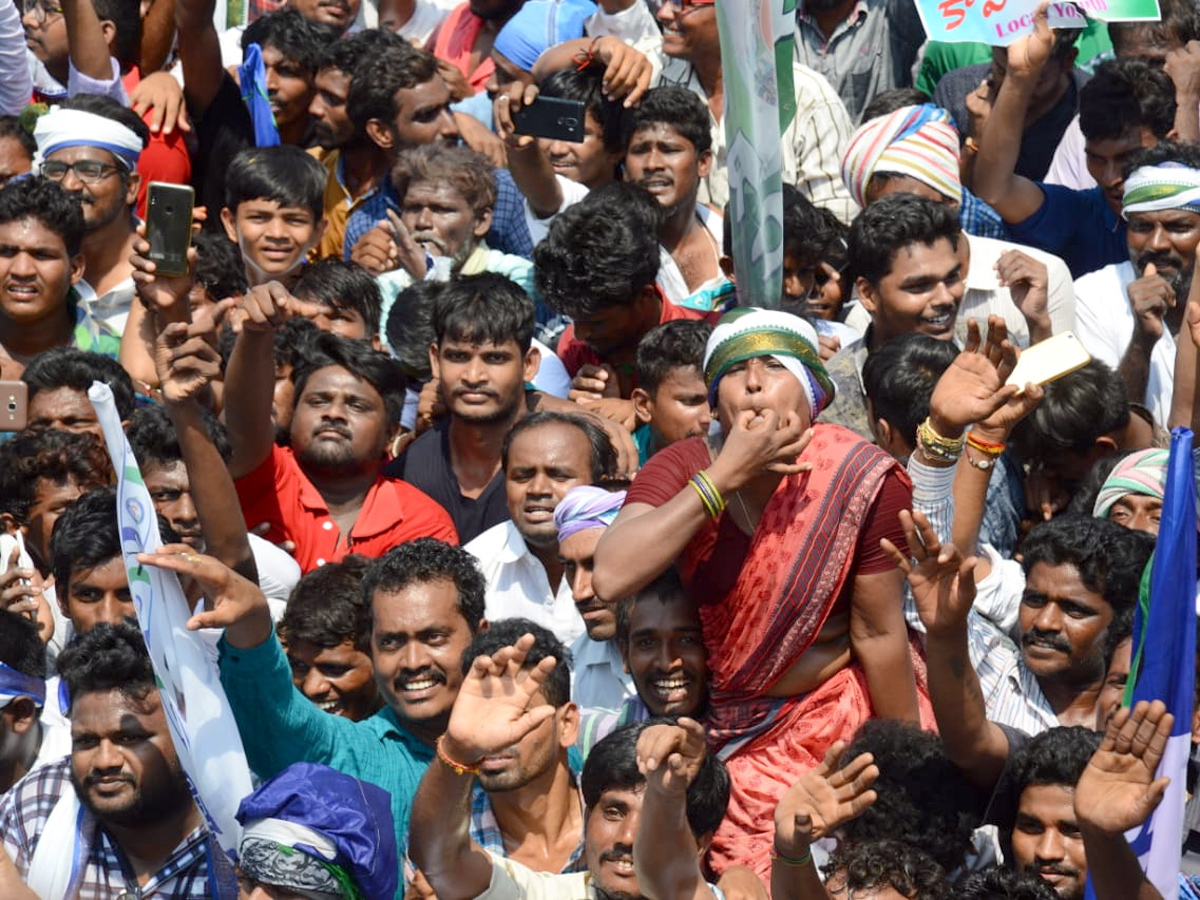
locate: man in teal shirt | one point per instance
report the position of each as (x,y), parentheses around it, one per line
(427,602)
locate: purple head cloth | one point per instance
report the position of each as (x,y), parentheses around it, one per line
(586,507)
(356,817)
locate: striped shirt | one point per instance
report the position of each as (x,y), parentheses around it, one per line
(812,145)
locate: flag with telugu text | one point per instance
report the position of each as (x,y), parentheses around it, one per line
(201,721)
(760,101)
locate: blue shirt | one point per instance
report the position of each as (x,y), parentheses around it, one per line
(509,232)
(280,726)
(1078,226)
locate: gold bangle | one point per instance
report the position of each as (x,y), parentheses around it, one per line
(937,447)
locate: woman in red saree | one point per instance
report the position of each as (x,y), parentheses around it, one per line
(775,528)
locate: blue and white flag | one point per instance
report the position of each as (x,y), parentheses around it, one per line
(1164,661)
(253,75)
(198,712)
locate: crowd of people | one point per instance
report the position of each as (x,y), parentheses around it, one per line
(535,561)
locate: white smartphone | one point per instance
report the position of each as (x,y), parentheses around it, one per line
(1053,358)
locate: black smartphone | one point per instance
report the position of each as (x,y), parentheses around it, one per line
(552,118)
(169,226)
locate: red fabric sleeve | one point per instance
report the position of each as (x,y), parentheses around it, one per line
(259,494)
(883,521)
(667,472)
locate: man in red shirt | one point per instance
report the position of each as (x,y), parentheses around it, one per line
(326,492)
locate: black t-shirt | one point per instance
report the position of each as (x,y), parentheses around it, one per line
(426,465)
(222,131)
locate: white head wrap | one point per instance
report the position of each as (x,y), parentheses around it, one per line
(61,128)
(1168,185)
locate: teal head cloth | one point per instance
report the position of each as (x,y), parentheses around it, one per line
(539,25)
(1143,472)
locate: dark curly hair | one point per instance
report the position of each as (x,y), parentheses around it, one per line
(47,203)
(1057,756)
(506,632)
(425,560)
(327,606)
(21,647)
(679,108)
(483,309)
(892,223)
(921,793)
(362,361)
(59,457)
(154,441)
(219,266)
(999,883)
(613,765)
(871,865)
(672,345)
(342,285)
(598,254)
(409,328)
(72,368)
(1124,95)
(1075,410)
(299,40)
(1109,557)
(107,658)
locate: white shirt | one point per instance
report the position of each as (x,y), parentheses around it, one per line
(517,585)
(1104,324)
(513,881)
(598,677)
(111,307)
(423,23)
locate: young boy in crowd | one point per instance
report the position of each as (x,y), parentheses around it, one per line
(274,211)
(326,631)
(670,401)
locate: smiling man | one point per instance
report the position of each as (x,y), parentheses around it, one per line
(903,250)
(326,492)
(1129,313)
(132,820)
(326,630)
(501,702)
(661,641)
(545,455)
(426,605)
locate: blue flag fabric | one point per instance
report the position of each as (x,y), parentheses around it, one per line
(253,77)
(1164,637)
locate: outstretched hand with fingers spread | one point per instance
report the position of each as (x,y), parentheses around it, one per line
(824,799)
(1118,790)
(942,582)
(493,710)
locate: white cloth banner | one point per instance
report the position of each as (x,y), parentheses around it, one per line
(201,721)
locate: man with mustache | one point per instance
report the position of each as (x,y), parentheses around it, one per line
(120,802)
(327,492)
(1129,313)
(445,196)
(482,357)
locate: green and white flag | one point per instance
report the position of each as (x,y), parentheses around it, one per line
(760,101)
(198,713)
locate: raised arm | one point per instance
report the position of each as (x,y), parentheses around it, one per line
(645,540)
(1015,197)
(879,638)
(1118,792)
(530,167)
(819,803)
(251,373)
(85,40)
(665,853)
(943,589)
(1183,65)
(627,71)
(493,711)
(199,54)
(158,33)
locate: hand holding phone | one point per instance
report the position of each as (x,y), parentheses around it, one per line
(552,118)
(169,226)
(1049,360)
